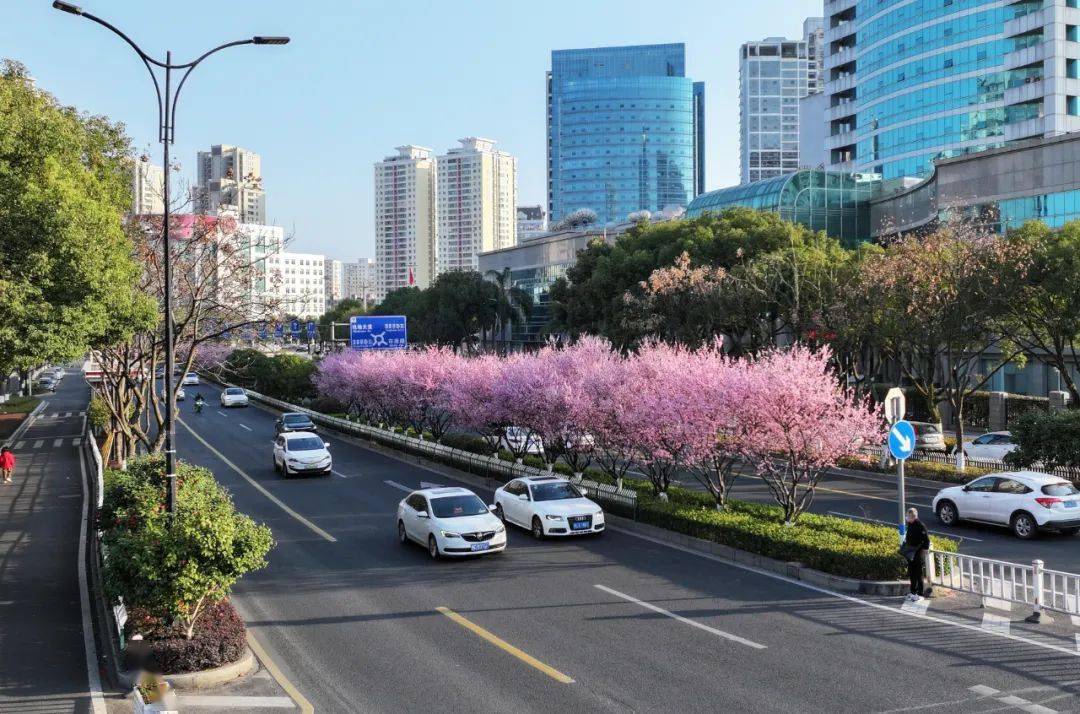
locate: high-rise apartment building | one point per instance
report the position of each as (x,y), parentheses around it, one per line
(774,74)
(147,188)
(908,82)
(476,208)
(625,130)
(229,176)
(333,278)
(531,222)
(301,283)
(405,219)
(359,280)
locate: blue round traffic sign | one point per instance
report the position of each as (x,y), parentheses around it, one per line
(901,440)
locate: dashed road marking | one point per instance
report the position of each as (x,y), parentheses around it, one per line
(399,487)
(77,441)
(505,646)
(234,702)
(1010,700)
(995,623)
(39,443)
(18,445)
(57,443)
(983,691)
(220,412)
(339,474)
(680,618)
(244,426)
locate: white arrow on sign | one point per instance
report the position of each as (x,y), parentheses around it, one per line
(903,441)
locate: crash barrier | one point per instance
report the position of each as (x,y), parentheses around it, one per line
(99,467)
(620,501)
(1033,585)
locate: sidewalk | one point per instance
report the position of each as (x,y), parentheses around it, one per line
(42,652)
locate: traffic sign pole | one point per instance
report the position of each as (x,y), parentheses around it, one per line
(901,446)
(902,498)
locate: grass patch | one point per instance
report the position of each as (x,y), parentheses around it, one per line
(19,405)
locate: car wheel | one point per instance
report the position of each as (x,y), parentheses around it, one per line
(1070,531)
(1024,525)
(499,513)
(285,470)
(947,514)
(403,537)
(277,469)
(432,547)
(537,528)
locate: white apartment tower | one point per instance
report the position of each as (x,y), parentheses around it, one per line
(333,279)
(359,280)
(301,283)
(774,74)
(477,203)
(405,220)
(229,176)
(147,187)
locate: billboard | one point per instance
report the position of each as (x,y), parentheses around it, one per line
(377,332)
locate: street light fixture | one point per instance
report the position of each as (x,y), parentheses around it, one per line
(166,104)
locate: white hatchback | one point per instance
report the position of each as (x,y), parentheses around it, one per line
(233,397)
(989,447)
(301,452)
(1026,501)
(548,506)
(449,522)
(191,379)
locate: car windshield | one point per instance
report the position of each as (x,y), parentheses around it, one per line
(308,443)
(458,506)
(1060,489)
(295,419)
(234,391)
(927,429)
(556,491)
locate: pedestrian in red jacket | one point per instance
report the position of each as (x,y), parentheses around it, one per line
(7,464)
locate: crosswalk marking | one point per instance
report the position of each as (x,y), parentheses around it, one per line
(38,444)
(57,443)
(18,445)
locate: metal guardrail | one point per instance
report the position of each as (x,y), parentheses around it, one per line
(625,500)
(1031,585)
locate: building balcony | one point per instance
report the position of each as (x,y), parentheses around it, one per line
(840,139)
(1028,55)
(838,59)
(834,6)
(844,29)
(841,84)
(1034,89)
(844,109)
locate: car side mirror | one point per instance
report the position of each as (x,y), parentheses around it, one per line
(326,444)
(492,508)
(967,488)
(523,497)
(421,514)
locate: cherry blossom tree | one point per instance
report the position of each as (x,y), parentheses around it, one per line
(472,399)
(796,422)
(417,384)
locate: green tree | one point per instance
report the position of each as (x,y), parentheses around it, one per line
(67,275)
(453,312)
(341,313)
(514,306)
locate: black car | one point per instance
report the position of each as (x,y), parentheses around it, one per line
(293,421)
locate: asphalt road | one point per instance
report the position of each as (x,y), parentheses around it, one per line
(353,620)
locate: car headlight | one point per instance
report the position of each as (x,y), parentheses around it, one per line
(500,529)
(553,518)
(448,534)
(598,514)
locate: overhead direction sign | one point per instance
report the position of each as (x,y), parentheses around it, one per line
(901,440)
(378,332)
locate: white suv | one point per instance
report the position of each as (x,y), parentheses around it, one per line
(548,506)
(449,522)
(1026,501)
(301,452)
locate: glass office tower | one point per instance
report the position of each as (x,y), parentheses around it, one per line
(909,81)
(625,131)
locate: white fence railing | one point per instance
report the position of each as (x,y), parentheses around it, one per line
(1031,585)
(99,467)
(939,457)
(468,460)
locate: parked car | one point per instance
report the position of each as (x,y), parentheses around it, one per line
(989,447)
(928,436)
(1026,501)
(233,397)
(301,452)
(519,440)
(548,506)
(293,421)
(449,522)
(58,373)
(190,379)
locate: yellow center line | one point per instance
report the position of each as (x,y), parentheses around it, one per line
(506,646)
(276,673)
(281,504)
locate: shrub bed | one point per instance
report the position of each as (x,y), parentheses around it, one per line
(946,473)
(219,638)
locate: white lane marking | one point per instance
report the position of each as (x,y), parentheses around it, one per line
(1075,620)
(1078,641)
(680,618)
(57,443)
(234,702)
(18,445)
(38,444)
(220,412)
(842,596)
(97,701)
(890,523)
(1038,709)
(258,486)
(399,487)
(983,691)
(338,473)
(919,608)
(996,603)
(997,624)
(244,426)
(425,484)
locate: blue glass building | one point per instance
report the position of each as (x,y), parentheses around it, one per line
(625,131)
(909,81)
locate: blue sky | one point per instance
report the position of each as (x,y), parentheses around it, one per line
(363,77)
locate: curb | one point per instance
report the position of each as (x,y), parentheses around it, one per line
(213,677)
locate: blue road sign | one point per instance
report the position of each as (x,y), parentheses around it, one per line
(263,334)
(901,440)
(378,332)
(279,331)
(294,328)
(312,330)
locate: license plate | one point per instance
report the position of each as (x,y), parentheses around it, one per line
(580,525)
(480,546)
(1070,504)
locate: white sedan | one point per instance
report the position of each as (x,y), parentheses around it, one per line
(548,506)
(301,452)
(190,380)
(519,440)
(1025,501)
(233,397)
(990,447)
(179,394)
(449,522)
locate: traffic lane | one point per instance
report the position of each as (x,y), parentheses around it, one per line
(533,577)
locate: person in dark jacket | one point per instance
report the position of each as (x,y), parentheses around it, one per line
(916,544)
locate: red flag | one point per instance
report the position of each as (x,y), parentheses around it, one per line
(412,280)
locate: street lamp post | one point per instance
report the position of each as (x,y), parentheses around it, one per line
(166,104)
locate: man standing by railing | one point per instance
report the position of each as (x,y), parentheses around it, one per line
(916,545)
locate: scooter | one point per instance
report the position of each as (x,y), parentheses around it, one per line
(198,406)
